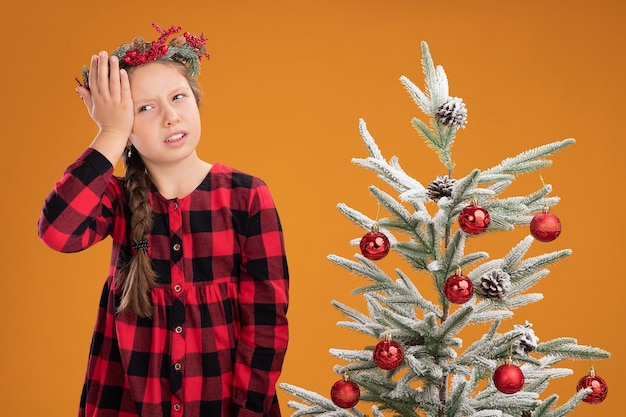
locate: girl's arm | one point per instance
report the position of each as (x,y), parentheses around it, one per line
(80,210)
(263,303)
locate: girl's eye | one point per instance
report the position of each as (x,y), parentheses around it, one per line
(178,96)
(144,108)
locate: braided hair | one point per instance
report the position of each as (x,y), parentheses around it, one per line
(137,277)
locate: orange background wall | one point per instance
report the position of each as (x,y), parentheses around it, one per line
(285,87)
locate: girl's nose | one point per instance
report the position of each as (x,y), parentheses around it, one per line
(171,116)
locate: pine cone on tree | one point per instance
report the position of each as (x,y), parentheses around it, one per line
(452,113)
(495,284)
(440,187)
(528,342)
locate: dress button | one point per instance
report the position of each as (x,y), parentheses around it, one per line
(177,407)
(175,206)
(176,247)
(178,329)
(177,288)
(177,366)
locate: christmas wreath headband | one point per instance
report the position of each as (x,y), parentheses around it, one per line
(187,49)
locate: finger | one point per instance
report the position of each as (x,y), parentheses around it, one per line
(125,86)
(103,73)
(85,95)
(93,74)
(114,77)
(82,91)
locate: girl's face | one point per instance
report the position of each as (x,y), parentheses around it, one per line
(166,129)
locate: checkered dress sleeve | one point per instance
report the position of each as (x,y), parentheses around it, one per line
(263,301)
(79,211)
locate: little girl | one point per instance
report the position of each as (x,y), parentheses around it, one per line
(192,315)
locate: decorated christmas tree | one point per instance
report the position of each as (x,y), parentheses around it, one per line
(417,364)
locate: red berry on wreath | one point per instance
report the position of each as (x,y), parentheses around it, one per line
(374,245)
(388,354)
(458,289)
(474,219)
(508,378)
(599,388)
(345,393)
(545,226)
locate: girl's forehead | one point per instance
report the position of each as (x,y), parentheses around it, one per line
(155,69)
(162,79)
(155,75)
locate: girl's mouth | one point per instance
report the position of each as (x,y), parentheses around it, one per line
(174,138)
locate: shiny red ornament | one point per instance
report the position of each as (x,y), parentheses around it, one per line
(508,378)
(458,289)
(599,388)
(388,354)
(545,226)
(345,393)
(474,219)
(374,245)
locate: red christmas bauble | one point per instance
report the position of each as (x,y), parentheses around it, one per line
(388,354)
(545,226)
(458,289)
(345,393)
(599,389)
(374,245)
(508,378)
(474,219)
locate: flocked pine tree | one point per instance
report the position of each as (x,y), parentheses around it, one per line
(419,365)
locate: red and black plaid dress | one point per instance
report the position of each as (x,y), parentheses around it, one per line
(216,342)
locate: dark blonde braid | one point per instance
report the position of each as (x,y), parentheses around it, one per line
(138,276)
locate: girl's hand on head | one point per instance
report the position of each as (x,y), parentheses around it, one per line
(110,105)
(108,99)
